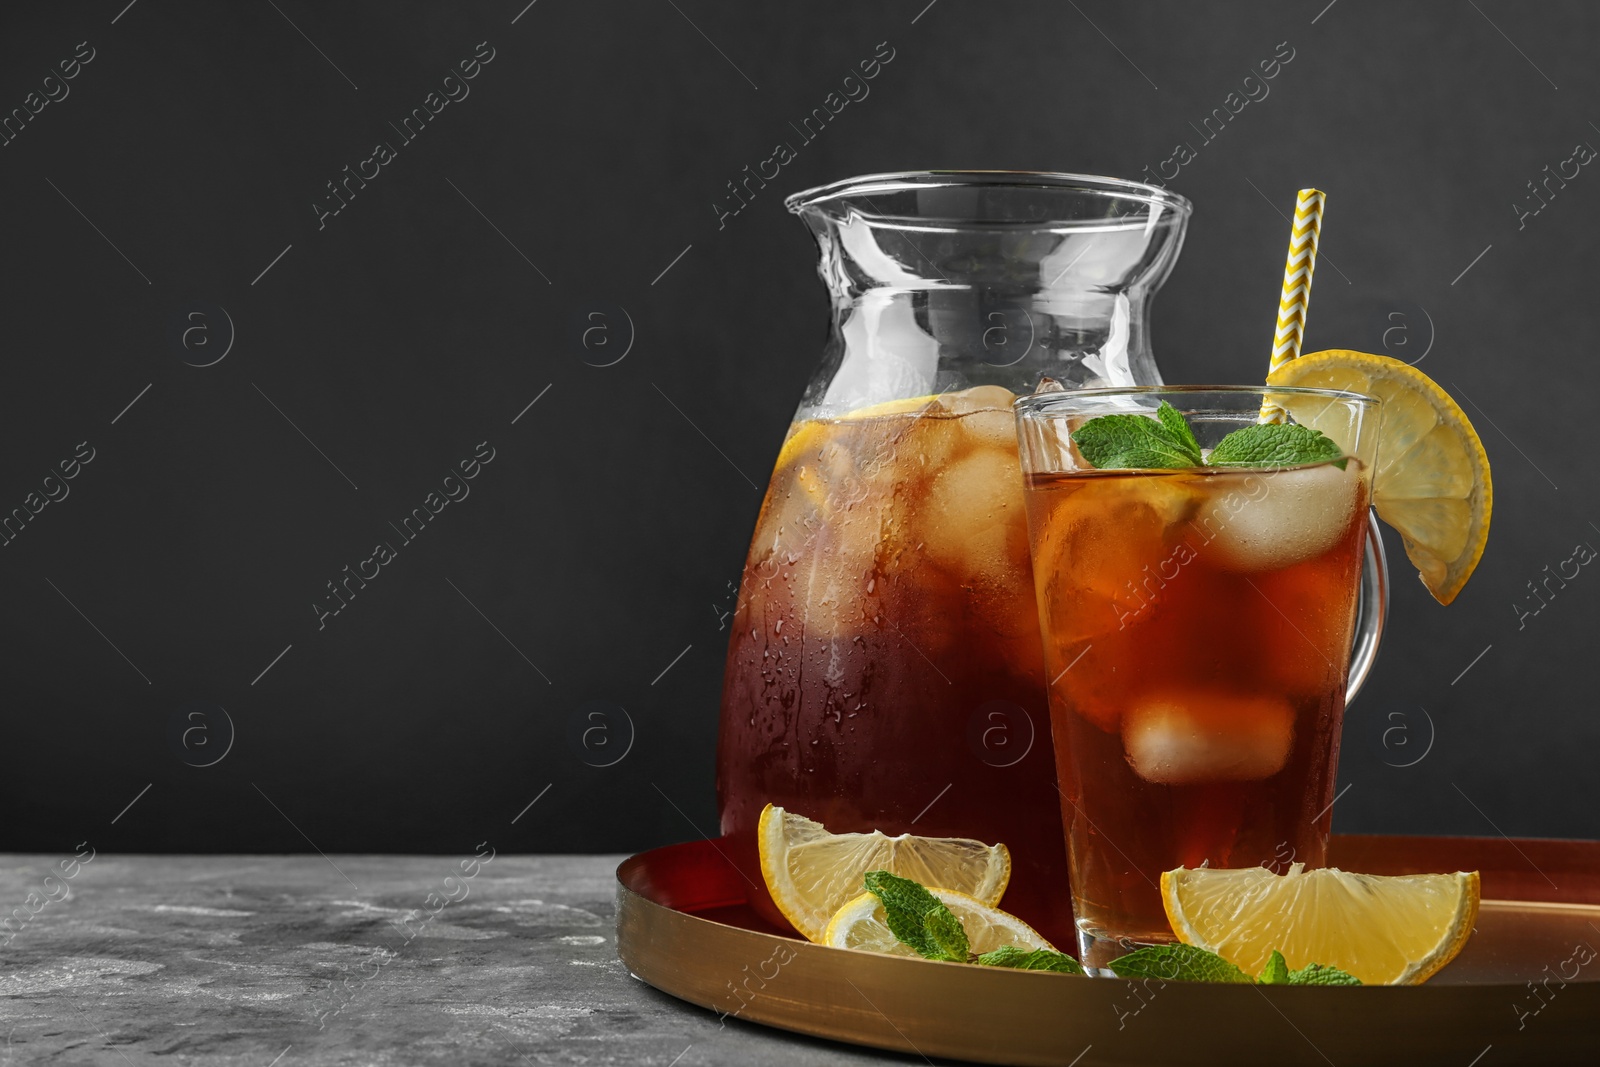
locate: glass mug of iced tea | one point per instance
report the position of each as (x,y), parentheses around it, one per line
(883,666)
(1198,622)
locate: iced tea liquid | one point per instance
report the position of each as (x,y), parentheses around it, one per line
(1197,630)
(884,670)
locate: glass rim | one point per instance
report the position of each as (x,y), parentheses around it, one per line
(825,199)
(1044,404)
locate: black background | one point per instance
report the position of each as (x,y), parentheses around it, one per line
(602,542)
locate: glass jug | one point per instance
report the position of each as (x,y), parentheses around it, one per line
(885,667)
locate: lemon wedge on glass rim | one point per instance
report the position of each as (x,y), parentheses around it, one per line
(1432,481)
(812,873)
(1384,929)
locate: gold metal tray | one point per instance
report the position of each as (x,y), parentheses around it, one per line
(1525,990)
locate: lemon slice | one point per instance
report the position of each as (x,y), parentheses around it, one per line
(910,405)
(1432,481)
(1384,929)
(811,873)
(804,437)
(860,925)
(810,435)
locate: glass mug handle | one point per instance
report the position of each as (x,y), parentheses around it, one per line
(1372,608)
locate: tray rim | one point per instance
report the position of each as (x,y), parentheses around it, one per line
(653,939)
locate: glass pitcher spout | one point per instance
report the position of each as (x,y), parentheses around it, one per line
(945,280)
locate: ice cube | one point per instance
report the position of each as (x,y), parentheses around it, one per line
(1099,551)
(1272,519)
(891,450)
(789,516)
(971,518)
(1173,497)
(991,428)
(835,579)
(1201,737)
(817,539)
(980,398)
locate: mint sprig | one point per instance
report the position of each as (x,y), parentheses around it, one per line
(947,934)
(1177,428)
(1021,959)
(1177,963)
(909,909)
(1317,974)
(1276,972)
(1134,442)
(1275,445)
(921,921)
(1186,963)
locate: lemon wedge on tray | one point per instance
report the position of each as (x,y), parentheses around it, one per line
(1384,929)
(860,924)
(812,873)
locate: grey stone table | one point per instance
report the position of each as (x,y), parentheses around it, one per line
(278,961)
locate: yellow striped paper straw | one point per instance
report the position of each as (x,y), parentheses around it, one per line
(1297,271)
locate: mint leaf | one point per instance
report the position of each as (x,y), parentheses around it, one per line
(1276,971)
(1186,963)
(1021,959)
(1178,428)
(1317,974)
(1181,963)
(947,933)
(1275,445)
(921,921)
(1135,442)
(907,909)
